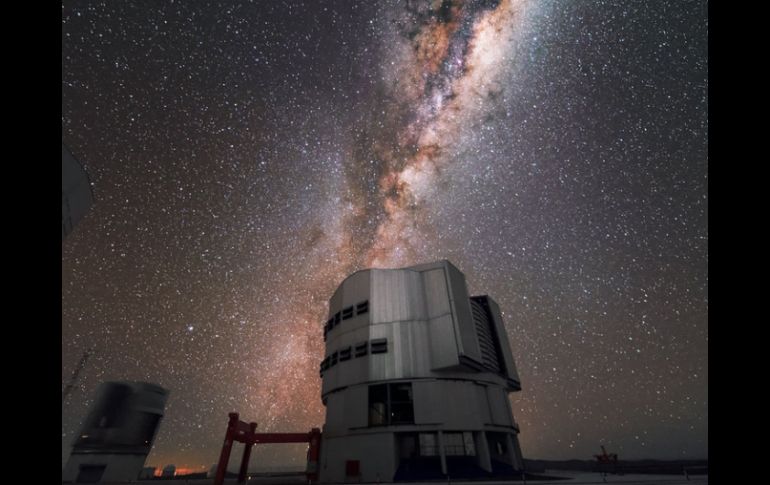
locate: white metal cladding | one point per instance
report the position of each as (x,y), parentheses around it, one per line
(396,295)
(450,404)
(335,411)
(443,343)
(484,409)
(436,294)
(425,410)
(413,312)
(502,336)
(462,310)
(119,430)
(453,404)
(356,415)
(499,406)
(374,452)
(423,322)
(354,289)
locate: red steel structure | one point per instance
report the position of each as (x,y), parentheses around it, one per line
(243,432)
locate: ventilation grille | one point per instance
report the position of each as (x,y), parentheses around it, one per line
(487,343)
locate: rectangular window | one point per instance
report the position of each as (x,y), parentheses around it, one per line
(362,349)
(347,313)
(336,319)
(345,354)
(459,444)
(470,445)
(378,405)
(453,444)
(428,446)
(401,405)
(379,346)
(391,404)
(362,307)
(333,361)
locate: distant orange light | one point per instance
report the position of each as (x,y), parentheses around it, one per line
(182,471)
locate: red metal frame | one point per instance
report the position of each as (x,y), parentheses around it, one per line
(243,432)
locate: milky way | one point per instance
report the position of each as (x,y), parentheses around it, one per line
(246,157)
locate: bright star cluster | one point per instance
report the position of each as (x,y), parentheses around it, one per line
(247,156)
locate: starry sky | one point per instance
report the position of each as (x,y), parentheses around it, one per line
(246,157)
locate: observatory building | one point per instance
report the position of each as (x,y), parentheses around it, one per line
(76,195)
(416,380)
(118,433)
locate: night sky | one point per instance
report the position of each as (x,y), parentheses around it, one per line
(245,158)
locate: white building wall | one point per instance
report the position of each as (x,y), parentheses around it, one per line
(375,453)
(424,314)
(498,404)
(466,331)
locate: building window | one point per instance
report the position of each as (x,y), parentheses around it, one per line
(379,346)
(378,405)
(362,349)
(345,354)
(362,307)
(333,359)
(428,446)
(401,405)
(347,313)
(336,319)
(459,444)
(391,404)
(470,445)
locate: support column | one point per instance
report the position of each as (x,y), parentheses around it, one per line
(513,456)
(227,446)
(482,451)
(247,453)
(518,451)
(441,452)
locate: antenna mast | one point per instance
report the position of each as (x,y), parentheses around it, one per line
(75,374)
